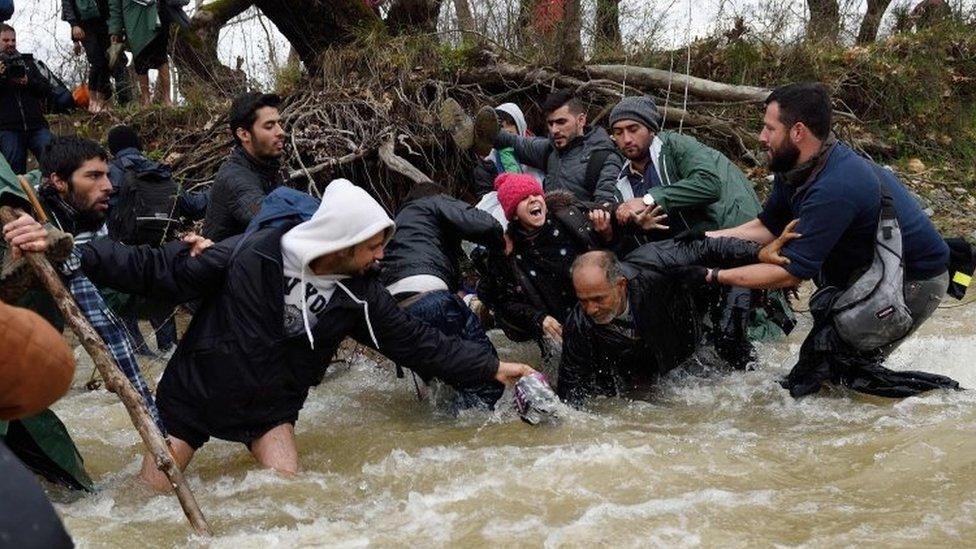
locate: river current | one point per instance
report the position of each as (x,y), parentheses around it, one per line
(727,459)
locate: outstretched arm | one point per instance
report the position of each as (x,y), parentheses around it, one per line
(761,276)
(409,341)
(171,272)
(530,150)
(472,224)
(753,230)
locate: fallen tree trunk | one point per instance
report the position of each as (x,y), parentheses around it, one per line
(116,382)
(605,89)
(645,77)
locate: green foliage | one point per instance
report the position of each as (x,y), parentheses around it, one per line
(288,78)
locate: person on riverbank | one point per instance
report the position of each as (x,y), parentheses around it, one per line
(855,217)
(253,168)
(243,370)
(145,27)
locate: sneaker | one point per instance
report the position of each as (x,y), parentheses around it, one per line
(485,130)
(457,123)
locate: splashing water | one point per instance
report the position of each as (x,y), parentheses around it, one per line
(728,459)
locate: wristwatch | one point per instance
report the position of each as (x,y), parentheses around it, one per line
(648,199)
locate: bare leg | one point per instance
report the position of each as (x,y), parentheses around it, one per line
(145,96)
(97,102)
(163,85)
(182,453)
(276,449)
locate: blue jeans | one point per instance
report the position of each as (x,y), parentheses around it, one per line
(14,145)
(447,313)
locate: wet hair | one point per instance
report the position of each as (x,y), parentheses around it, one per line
(561,98)
(244,110)
(806,102)
(63,155)
(607,261)
(123,137)
(7,28)
(423,190)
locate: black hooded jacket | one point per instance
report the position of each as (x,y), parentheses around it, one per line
(428,237)
(235,371)
(666,328)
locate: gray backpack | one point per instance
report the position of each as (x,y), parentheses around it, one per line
(871,313)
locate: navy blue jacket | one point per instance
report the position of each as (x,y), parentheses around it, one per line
(838,210)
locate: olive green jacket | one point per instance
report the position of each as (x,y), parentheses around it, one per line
(701,188)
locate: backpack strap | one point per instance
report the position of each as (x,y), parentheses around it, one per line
(594,166)
(888,212)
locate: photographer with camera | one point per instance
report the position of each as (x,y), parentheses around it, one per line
(22,91)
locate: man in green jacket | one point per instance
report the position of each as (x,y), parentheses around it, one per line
(41,441)
(144,25)
(697,186)
(699,189)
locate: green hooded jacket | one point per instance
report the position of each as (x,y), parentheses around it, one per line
(138,20)
(701,188)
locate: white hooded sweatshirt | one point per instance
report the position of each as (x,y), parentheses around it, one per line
(347,216)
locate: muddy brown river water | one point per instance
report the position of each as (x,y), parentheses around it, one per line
(726,460)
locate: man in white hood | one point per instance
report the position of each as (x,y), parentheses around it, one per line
(276,303)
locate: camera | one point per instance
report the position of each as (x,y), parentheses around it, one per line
(15,65)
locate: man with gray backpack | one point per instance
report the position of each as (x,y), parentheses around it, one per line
(879,264)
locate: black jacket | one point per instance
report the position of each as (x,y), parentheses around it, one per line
(667,325)
(21,106)
(235,370)
(241,184)
(428,237)
(534,281)
(483,177)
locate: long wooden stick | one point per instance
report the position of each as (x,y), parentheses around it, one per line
(116,382)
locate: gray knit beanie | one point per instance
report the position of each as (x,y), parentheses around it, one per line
(639,109)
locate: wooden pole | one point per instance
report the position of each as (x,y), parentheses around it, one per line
(116,382)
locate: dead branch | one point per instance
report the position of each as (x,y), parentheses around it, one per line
(399,164)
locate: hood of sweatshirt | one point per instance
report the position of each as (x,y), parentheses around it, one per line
(347,216)
(515,112)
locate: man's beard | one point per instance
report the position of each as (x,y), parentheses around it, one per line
(784,158)
(85,216)
(643,154)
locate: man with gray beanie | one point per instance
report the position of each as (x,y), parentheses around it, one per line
(701,190)
(697,186)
